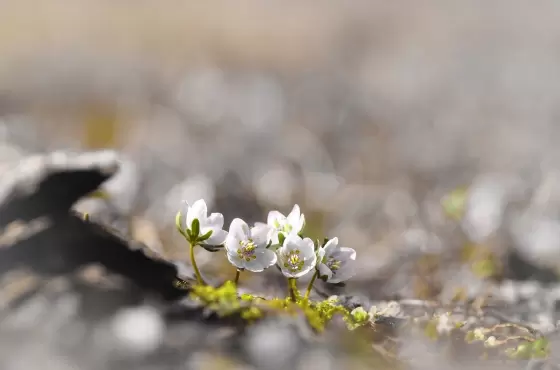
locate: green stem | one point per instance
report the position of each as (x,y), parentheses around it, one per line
(237,273)
(195,267)
(292,288)
(310,286)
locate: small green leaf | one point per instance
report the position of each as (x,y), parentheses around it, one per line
(205,236)
(178,221)
(195,229)
(281,238)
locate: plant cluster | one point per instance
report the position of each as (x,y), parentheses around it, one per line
(279,242)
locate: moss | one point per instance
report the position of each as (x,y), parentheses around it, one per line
(225,301)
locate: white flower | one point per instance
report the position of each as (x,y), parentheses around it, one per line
(296,257)
(278,223)
(212,224)
(246,248)
(335,262)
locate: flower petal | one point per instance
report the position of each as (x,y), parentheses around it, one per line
(342,274)
(275,216)
(344,254)
(308,265)
(218,237)
(197,210)
(267,258)
(292,242)
(232,244)
(259,234)
(325,271)
(294,216)
(330,247)
(215,220)
(234,260)
(239,229)
(321,254)
(307,248)
(273,236)
(299,226)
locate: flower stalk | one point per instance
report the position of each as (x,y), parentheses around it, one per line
(195,266)
(237,273)
(293,289)
(310,286)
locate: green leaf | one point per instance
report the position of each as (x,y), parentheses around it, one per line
(205,236)
(195,229)
(281,238)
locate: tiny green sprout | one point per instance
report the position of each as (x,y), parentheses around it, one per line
(521,352)
(358,317)
(540,348)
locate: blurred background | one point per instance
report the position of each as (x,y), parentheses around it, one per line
(423,134)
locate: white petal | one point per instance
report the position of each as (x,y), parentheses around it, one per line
(216,220)
(259,234)
(344,254)
(218,237)
(199,211)
(330,247)
(232,244)
(267,258)
(299,226)
(274,216)
(325,271)
(342,274)
(293,242)
(294,216)
(239,229)
(307,248)
(273,236)
(234,260)
(320,254)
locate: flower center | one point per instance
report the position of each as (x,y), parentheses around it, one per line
(293,261)
(247,250)
(332,263)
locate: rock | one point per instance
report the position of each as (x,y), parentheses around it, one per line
(38,194)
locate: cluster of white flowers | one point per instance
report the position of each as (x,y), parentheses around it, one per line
(278,242)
